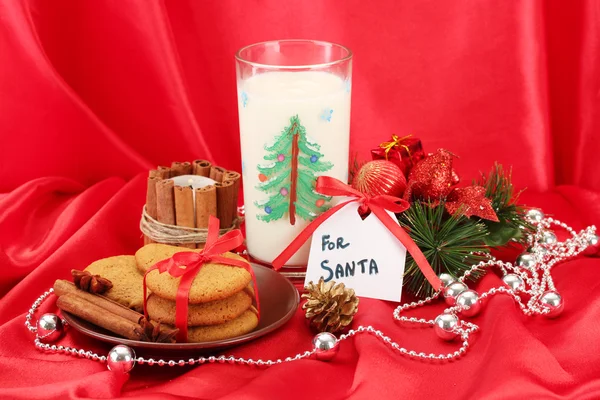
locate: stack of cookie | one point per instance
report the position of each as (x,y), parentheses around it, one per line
(220,297)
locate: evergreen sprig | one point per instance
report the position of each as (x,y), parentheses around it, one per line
(512,224)
(448,242)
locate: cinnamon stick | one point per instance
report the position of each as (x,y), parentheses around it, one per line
(234,177)
(63,287)
(151,197)
(202,167)
(165,202)
(206,205)
(98,316)
(181,168)
(231,176)
(216,173)
(225,205)
(184,210)
(164,172)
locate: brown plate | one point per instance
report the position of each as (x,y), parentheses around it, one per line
(278,302)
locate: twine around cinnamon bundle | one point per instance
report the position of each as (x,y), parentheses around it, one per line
(173,234)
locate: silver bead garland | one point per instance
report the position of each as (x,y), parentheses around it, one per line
(533,279)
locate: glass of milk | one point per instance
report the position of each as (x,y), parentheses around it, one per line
(294,111)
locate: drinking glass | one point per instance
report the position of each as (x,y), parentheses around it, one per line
(294,115)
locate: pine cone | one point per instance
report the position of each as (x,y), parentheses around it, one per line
(90,283)
(329,307)
(149,332)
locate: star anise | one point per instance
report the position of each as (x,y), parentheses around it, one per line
(90,283)
(153,332)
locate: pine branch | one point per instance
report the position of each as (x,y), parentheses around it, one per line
(448,242)
(281,145)
(272,168)
(274,182)
(354,167)
(304,213)
(278,206)
(317,166)
(309,149)
(512,224)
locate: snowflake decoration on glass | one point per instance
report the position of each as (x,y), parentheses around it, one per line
(244,97)
(326,114)
(348,85)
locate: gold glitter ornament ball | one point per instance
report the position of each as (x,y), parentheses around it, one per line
(380,177)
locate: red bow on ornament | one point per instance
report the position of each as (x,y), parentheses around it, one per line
(186,265)
(377,205)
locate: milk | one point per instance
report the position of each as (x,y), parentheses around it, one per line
(267,101)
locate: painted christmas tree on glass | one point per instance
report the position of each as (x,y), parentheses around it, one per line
(289,177)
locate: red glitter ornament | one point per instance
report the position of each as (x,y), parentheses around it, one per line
(471,201)
(432,178)
(380,177)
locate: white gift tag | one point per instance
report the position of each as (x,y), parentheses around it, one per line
(363,254)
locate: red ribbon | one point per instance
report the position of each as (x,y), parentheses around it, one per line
(378,205)
(187,265)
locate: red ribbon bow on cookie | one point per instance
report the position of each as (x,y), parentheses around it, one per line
(187,265)
(378,205)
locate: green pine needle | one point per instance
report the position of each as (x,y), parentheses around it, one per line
(512,224)
(353,168)
(446,241)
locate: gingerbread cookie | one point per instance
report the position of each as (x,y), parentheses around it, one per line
(241,325)
(152,253)
(126,279)
(211,313)
(213,282)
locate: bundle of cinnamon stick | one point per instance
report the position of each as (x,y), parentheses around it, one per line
(184,206)
(106,313)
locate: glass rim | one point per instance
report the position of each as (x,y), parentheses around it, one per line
(347,57)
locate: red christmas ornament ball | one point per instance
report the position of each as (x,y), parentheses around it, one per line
(262,177)
(319,203)
(380,177)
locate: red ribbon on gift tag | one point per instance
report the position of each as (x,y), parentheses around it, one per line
(187,265)
(378,205)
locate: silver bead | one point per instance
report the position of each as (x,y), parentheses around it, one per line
(539,251)
(326,346)
(444,326)
(593,243)
(469,300)
(534,215)
(446,279)
(121,359)
(548,237)
(526,260)
(452,291)
(553,301)
(49,328)
(513,281)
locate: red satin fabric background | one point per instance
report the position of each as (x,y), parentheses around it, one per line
(95,93)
